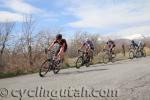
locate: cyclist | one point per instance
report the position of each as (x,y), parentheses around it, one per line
(111,45)
(89,47)
(141,46)
(62,47)
(134,45)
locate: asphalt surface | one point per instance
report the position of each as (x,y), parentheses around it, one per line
(123,80)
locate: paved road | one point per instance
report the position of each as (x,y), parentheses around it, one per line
(124,80)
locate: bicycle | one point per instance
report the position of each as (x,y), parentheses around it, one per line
(142,52)
(50,64)
(82,60)
(108,56)
(136,52)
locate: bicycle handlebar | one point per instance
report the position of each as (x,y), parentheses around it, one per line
(106,50)
(81,51)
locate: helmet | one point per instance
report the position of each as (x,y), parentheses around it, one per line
(59,36)
(87,39)
(132,41)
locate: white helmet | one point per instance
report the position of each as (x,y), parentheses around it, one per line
(87,39)
(140,42)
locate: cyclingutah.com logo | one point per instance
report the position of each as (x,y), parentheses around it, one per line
(56,94)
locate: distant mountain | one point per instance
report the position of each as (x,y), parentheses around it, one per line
(135,36)
(126,42)
(119,41)
(124,37)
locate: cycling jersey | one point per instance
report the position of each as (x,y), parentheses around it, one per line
(89,44)
(111,44)
(134,45)
(61,43)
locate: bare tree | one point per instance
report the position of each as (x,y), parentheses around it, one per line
(42,40)
(28,27)
(5,31)
(79,38)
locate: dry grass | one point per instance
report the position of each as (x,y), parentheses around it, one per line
(19,65)
(147,51)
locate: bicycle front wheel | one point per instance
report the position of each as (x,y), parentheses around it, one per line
(44,68)
(79,62)
(106,58)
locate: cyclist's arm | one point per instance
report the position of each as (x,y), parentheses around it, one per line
(82,46)
(61,49)
(51,46)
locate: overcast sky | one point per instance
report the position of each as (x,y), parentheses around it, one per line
(121,18)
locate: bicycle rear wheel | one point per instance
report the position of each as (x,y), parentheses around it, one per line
(131,54)
(79,62)
(144,53)
(138,54)
(106,58)
(57,66)
(45,68)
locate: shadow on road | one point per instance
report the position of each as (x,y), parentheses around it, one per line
(110,63)
(85,71)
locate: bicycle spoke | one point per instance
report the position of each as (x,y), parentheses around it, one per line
(45,67)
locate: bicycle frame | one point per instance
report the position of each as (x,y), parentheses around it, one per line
(108,52)
(83,55)
(53,64)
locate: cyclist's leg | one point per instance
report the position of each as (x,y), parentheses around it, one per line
(55,55)
(86,51)
(59,59)
(86,55)
(137,48)
(134,51)
(110,52)
(89,52)
(142,50)
(62,54)
(113,50)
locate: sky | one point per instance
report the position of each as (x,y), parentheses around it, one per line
(114,18)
